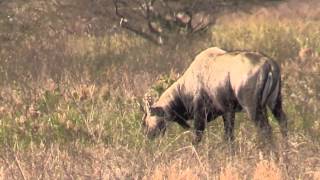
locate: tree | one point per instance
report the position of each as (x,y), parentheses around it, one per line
(158,20)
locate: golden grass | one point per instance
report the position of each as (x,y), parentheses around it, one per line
(174,171)
(229,173)
(99,161)
(316,175)
(280,38)
(267,170)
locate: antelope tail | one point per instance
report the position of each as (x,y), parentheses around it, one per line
(267,90)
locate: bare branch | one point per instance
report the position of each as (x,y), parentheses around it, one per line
(158,21)
(125,23)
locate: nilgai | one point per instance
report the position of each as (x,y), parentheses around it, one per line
(220,83)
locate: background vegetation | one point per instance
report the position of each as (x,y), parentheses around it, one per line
(71,80)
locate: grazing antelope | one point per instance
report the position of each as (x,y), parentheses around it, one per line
(220,83)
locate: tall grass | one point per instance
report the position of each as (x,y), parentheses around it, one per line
(280,38)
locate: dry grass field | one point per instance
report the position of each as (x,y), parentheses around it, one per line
(69,93)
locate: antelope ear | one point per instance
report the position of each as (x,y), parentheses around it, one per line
(142,109)
(148,101)
(157,111)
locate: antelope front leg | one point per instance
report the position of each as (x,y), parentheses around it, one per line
(228,121)
(199,122)
(199,126)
